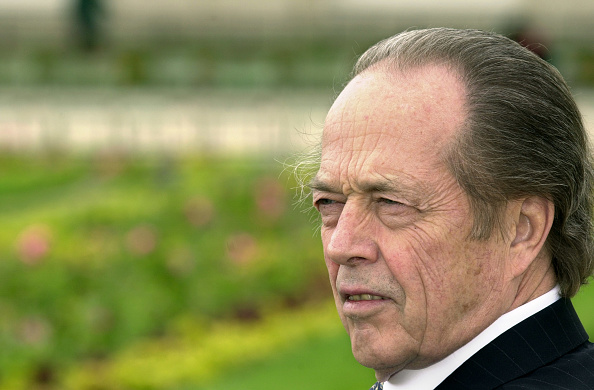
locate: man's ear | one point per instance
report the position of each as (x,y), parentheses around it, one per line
(533,220)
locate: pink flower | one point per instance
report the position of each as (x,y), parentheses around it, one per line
(33,244)
(199,211)
(34,331)
(271,198)
(142,240)
(242,248)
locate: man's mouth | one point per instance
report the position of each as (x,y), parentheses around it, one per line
(365,297)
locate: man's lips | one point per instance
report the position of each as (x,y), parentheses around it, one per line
(357,294)
(364,297)
(362,303)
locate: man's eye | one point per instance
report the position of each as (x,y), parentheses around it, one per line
(388,201)
(325,202)
(325,205)
(330,210)
(329,206)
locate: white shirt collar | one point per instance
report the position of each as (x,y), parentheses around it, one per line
(429,377)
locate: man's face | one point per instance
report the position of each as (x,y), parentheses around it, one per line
(409,284)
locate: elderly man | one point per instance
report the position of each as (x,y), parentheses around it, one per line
(454,188)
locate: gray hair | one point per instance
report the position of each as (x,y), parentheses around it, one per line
(523,136)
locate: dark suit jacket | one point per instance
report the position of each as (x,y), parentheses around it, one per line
(549,350)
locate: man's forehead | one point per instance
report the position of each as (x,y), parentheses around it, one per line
(415,114)
(418,93)
(353,104)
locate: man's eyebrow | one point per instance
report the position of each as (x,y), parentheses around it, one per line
(317,184)
(373,186)
(380,186)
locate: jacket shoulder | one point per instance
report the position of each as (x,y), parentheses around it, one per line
(574,370)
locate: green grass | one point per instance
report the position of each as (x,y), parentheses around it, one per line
(320,363)
(305,346)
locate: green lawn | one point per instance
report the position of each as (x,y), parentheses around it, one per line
(320,363)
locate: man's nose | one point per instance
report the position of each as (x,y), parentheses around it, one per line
(352,239)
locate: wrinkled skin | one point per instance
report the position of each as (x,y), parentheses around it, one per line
(396,225)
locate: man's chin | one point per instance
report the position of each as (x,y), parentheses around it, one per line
(382,370)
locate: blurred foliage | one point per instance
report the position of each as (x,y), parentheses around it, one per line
(584,304)
(99,252)
(165,273)
(213,63)
(223,62)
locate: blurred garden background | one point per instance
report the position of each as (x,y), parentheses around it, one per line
(149,236)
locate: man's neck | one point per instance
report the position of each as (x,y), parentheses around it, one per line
(537,281)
